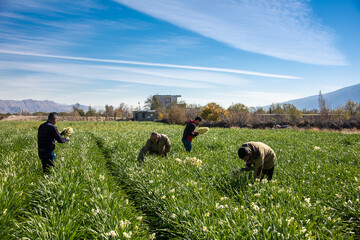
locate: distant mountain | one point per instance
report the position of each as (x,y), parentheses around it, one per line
(333,99)
(31,106)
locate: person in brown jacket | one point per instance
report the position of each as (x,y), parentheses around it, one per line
(261,156)
(158,144)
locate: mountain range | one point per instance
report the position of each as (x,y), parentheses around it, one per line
(333,99)
(31,106)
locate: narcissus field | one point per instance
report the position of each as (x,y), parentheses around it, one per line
(98,190)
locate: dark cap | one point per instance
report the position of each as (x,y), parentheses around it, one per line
(198,118)
(243,152)
(52,115)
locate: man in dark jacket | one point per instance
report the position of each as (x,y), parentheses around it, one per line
(158,144)
(47,134)
(189,133)
(261,156)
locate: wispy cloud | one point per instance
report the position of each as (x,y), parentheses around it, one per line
(278,28)
(65,73)
(50,7)
(225,70)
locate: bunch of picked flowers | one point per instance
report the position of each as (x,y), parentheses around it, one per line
(203,130)
(66,132)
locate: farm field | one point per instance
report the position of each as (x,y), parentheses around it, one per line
(99,191)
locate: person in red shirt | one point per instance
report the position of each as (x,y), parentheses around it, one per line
(189,133)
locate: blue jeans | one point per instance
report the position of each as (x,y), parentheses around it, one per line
(47,159)
(187,145)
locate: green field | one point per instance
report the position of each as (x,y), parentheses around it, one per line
(98,191)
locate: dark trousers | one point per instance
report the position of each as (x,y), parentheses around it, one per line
(47,159)
(187,145)
(268,173)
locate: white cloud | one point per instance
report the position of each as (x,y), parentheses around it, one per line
(211,69)
(278,28)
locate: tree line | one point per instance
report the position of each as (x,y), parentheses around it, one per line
(237,114)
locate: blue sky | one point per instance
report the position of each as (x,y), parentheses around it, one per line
(224,51)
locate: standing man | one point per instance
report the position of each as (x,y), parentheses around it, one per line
(47,134)
(189,133)
(158,144)
(261,156)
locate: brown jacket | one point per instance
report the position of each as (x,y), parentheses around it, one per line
(160,147)
(263,157)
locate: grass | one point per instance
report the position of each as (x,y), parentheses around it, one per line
(99,191)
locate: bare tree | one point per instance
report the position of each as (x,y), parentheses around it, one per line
(123,110)
(193,110)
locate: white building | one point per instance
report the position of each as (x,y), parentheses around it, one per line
(167,100)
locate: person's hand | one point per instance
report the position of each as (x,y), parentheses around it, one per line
(67,138)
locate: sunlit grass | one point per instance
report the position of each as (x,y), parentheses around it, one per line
(99,191)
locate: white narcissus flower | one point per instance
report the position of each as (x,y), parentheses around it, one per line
(124,224)
(127,235)
(111,233)
(152,236)
(186,212)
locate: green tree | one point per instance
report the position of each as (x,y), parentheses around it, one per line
(238,113)
(153,103)
(238,107)
(292,111)
(276,109)
(211,112)
(77,111)
(258,110)
(109,111)
(351,107)
(323,106)
(91,112)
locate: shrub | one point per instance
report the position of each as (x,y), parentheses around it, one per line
(211,112)
(177,115)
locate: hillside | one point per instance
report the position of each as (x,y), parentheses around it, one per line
(31,106)
(333,99)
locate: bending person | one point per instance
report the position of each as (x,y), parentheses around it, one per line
(261,156)
(158,144)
